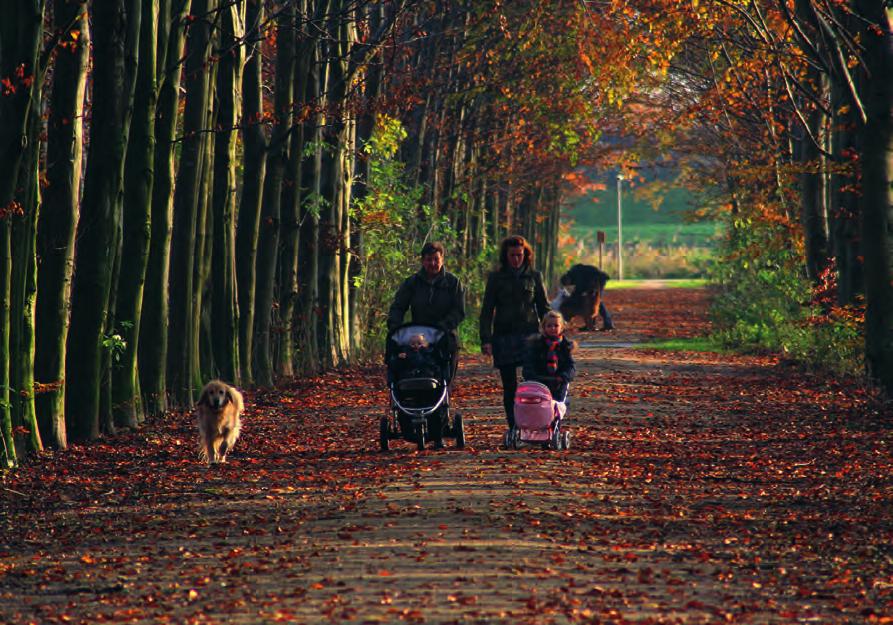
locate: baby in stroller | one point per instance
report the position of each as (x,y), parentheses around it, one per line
(419,365)
(541,400)
(417,355)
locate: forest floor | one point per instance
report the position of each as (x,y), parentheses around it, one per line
(699,488)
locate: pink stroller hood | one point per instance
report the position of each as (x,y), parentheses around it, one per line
(534,408)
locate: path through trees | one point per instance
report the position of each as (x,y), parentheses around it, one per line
(698,489)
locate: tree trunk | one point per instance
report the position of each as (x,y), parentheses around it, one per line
(345,260)
(20,36)
(138,178)
(365,126)
(843,212)
(308,249)
(204,246)
(111,355)
(254,171)
(58,219)
(812,208)
(153,344)
(277,159)
(24,287)
(8,455)
(876,201)
(224,309)
(182,367)
(335,139)
(292,196)
(112,100)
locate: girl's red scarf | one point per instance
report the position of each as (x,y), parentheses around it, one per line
(552,354)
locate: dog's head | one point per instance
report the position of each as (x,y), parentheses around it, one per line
(215,395)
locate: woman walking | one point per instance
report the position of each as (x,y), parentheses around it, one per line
(514,302)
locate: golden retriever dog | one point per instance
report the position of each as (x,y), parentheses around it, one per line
(218,419)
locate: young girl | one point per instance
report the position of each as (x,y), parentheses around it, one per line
(548,357)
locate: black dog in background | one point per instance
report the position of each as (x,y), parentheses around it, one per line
(586,298)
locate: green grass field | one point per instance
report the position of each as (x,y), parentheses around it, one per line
(683,283)
(658,240)
(655,234)
(698,344)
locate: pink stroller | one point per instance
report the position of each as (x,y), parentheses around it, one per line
(537,418)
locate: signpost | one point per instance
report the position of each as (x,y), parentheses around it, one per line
(600,236)
(619,228)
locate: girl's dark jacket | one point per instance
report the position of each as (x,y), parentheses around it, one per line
(535,361)
(513,303)
(439,303)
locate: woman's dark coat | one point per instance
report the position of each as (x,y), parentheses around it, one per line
(514,302)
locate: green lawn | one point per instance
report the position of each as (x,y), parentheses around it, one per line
(687,283)
(698,344)
(704,234)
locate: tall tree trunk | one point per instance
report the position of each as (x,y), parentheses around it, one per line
(153,344)
(812,208)
(292,196)
(335,133)
(20,36)
(138,178)
(204,246)
(308,259)
(182,367)
(58,219)
(365,126)
(345,256)
(112,101)
(253,174)
(843,212)
(111,355)
(224,308)
(876,201)
(24,287)
(8,456)
(277,159)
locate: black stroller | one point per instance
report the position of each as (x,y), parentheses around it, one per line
(418,380)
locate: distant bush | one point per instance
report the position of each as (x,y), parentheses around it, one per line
(764,302)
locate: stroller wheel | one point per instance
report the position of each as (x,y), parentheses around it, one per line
(459,430)
(516,438)
(556,439)
(566,440)
(420,436)
(384,437)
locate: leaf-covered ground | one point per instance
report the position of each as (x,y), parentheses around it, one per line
(699,489)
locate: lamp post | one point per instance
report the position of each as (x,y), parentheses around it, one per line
(619,228)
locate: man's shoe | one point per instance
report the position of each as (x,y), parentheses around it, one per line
(438,444)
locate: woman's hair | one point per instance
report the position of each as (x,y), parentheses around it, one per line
(552,314)
(431,248)
(515,240)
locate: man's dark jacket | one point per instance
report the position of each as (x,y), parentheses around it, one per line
(439,303)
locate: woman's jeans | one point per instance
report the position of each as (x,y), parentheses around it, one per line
(509,375)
